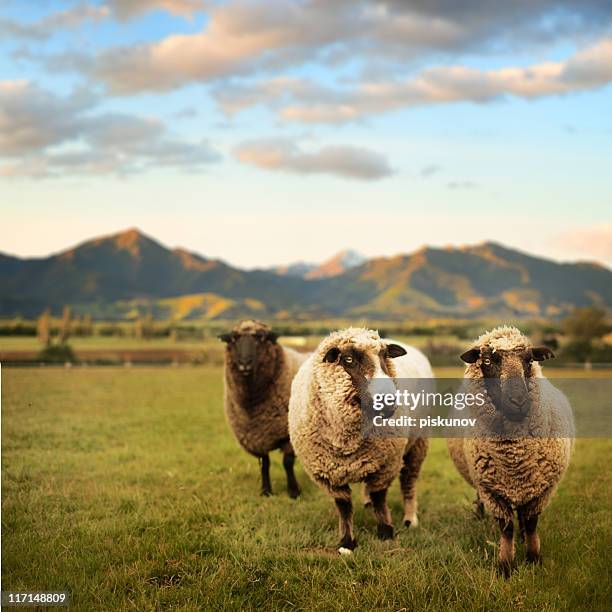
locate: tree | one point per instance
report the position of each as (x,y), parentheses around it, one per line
(87,325)
(148,328)
(138,329)
(65,326)
(43,328)
(77,325)
(173,332)
(585,323)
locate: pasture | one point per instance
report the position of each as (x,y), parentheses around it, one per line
(124,487)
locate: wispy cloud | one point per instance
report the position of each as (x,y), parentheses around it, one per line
(303,101)
(343,161)
(128,9)
(44,135)
(430,170)
(245,37)
(461,185)
(60,20)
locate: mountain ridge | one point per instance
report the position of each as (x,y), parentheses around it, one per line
(468,280)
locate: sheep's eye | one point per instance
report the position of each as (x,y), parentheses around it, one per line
(486,361)
(348,359)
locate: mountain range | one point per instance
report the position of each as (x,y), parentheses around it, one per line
(339,263)
(117,276)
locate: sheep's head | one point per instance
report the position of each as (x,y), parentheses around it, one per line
(504,358)
(249,346)
(359,361)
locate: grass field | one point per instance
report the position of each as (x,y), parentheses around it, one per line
(30,343)
(125,488)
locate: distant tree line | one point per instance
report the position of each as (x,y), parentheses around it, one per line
(580,337)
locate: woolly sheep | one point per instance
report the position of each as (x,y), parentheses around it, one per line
(326,428)
(258,375)
(513,473)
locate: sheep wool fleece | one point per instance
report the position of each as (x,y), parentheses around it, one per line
(517,472)
(325,418)
(258,415)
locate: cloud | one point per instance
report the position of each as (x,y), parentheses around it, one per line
(244,37)
(128,9)
(82,13)
(187,112)
(304,102)
(461,185)
(343,161)
(239,37)
(428,171)
(32,119)
(49,25)
(593,242)
(44,135)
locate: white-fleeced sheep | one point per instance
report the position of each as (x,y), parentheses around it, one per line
(325,425)
(519,471)
(258,375)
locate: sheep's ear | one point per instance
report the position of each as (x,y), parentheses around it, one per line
(541,353)
(332,355)
(395,350)
(272,337)
(226,337)
(470,356)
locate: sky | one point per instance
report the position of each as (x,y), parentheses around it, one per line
(264,132)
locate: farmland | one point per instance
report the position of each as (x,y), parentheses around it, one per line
(124,487)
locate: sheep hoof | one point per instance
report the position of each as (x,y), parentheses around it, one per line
(266,492)
(533,557)
(294,493)
(504,568)
(367,503)
(385,532)
(347,544)
(411,521)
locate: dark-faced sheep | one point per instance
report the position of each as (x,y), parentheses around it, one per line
(325,424)
(517,472)
(258,375)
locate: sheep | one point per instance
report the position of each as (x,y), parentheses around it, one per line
(516,471)
(258,375)
(325,426)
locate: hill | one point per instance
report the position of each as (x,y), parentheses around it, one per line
(111,275)
(126,266)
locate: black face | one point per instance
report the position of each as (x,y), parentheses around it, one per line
(509,393)
(246,349)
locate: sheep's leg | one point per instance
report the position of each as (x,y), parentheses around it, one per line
(382,514)
(288,461)
(266,486)
(532,540)
(344,506)
(292,485)
(412,462)
(503,513)
(506,545)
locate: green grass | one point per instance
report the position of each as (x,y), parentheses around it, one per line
(125,488)
(29,343)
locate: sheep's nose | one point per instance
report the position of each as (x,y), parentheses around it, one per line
(518,398)
(381,385)
(245,368)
